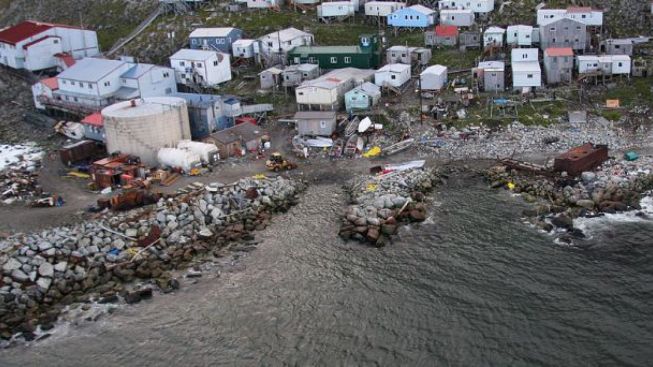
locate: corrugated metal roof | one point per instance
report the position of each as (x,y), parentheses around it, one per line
(309,115)
(211,32)
(197,55)
(94,119)
(51,83)
(27,29)
(313,50)
(137,71)
(435,69)
(422,9)
(495,30)
(492,65)
(394,68)
(287,34)
(559,51)
(526,66)
(446,30)
(90,69)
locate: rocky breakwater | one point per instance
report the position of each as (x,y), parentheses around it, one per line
(617,185)
(380,203)
(98,260)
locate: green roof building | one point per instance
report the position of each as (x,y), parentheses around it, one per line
(363,56)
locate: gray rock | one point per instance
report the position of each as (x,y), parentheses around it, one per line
(587,204)
(10,265)
(131,232)
(61,266)
(44,284)
(93,249)
(19,276)
(43,246)
(50,252)
(588,177)
(46,270)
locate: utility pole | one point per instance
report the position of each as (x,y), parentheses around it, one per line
(421,115)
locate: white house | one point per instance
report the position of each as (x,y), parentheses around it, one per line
(382,8)
(433,78)
(520,35)
(477,6)
(457,17)
(335,9)
(275,45)
(35,46)
(245,48)
(395,75)
(264,4)
(202,67)
(493,36)
(607,64)
(93,83)
(585,15)
(526,71)
(327,92)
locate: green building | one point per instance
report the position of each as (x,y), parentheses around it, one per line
(364,56)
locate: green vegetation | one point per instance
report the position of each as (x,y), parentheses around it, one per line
(634,91)
(612,115)
(454,59)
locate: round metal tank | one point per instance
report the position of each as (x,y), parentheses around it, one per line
(143,126)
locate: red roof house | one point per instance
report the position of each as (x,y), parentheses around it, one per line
(558,51)
(446,31)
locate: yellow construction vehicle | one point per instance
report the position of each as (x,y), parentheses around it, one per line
(277,163)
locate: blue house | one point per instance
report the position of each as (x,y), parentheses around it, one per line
(206,113)
(214,39)
(363,97)
(416,16)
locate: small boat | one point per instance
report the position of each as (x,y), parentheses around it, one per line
(397,147)
(364,125)
(404,166)
(319,142)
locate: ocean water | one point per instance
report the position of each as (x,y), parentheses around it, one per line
(471,286)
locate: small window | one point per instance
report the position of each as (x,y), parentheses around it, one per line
(300,93)
(311,60)
(552,29)
(199,65)
(393,77)
(323,124)
(72,83)
(182,63)
(183,76)
(166,75)
(269,44)
(583,16)
(529,76)
(215,63)
(90,86)
(347,60)
(107,83)
(334,60)
(621,64)
(75,99)
(56,42)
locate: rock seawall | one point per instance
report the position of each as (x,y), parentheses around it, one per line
(95,260)
(380,203)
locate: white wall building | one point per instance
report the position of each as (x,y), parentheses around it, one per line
(477,6)
(382,8)
(245,48)
(520,35)
(202,67)
(282,41)
(335,9)
(34,46)
(585,15)
(493,36)
(395,75)
(327,92)
(264,4)
(526,71)
(94,83)
(607,64)
(433,78)
(457,17)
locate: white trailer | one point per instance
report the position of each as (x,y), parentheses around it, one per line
(208,153)
(179,158)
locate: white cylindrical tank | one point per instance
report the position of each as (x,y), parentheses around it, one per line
(179,158)
(209,153)
(143,126)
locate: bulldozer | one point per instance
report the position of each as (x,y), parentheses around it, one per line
(277,163)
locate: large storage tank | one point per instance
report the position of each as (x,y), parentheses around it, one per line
(179,158)
(143,126)
(209,153)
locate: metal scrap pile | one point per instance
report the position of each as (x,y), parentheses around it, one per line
(18,173)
